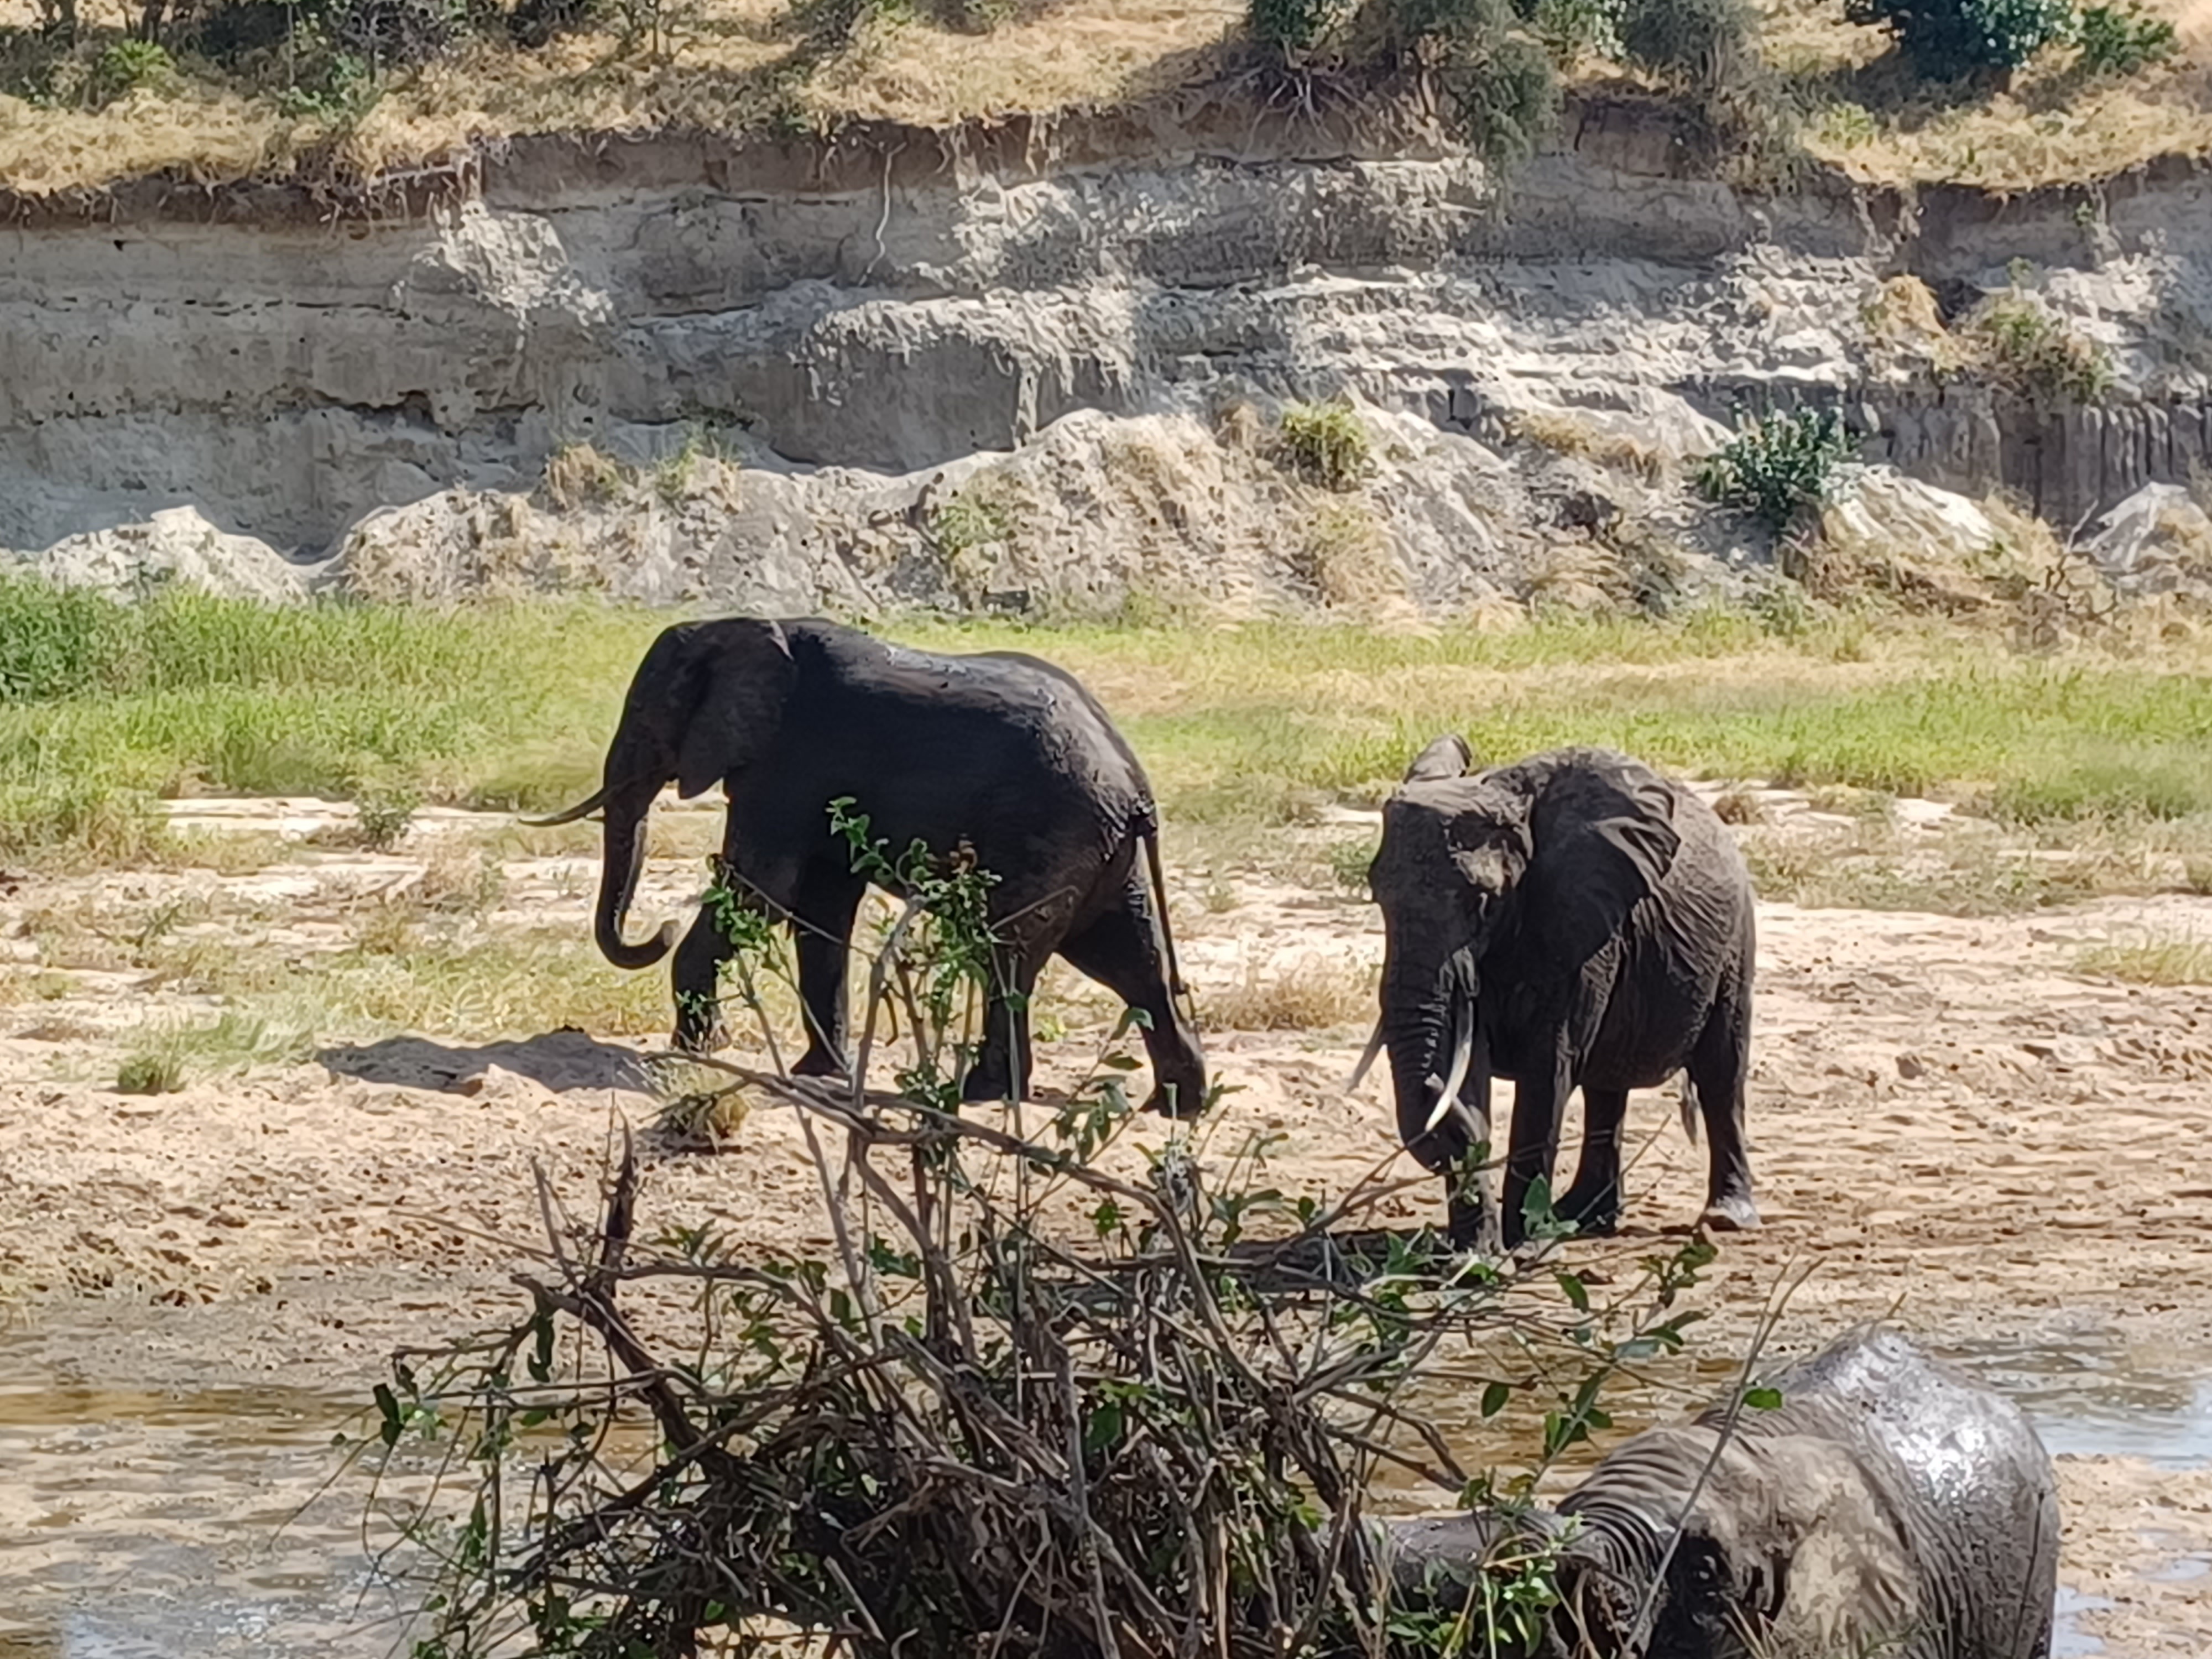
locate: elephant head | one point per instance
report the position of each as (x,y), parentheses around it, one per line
(1549,858)
(1684,1544)
(1690,1540)
(704,703)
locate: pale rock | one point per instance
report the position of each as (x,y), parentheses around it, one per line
(176,546)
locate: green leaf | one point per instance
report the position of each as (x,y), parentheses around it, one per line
(1763,1400)
(1104,1427)
(1572,1287)
(1494,1398)
(387,1406)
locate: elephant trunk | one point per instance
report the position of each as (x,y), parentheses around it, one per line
(622,862)
(1428,1030)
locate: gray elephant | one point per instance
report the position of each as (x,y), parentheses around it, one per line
(1570,920)
(1889,1505)
(1001,751)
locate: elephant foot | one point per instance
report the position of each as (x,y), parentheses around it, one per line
(1734,1213)
(1178,1094)
(1595,1210)
(1474,1227)
(989,1081)
(700,1037)
(819,1062)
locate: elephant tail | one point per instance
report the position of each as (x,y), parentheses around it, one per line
(1690,1108)
(1145,824)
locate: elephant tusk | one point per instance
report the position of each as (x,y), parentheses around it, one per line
(592,803)
(1367,1060)
(1462,1053)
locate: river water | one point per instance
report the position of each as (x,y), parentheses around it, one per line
(205,1526)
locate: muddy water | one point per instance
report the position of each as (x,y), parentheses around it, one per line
(143,1525)
(155,1525)
(2104,1399)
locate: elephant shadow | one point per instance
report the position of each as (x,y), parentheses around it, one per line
(1351,1257)
(559,1061)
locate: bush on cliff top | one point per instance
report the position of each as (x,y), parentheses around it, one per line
(1949,40)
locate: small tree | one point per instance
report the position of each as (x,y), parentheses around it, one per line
(1039,1392)
(1948,40)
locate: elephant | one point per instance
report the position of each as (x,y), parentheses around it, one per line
(1888,1505)
(1570,920)
(999,752)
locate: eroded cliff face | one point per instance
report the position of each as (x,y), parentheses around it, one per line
(901,300)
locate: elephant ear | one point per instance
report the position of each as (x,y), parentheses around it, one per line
(1605,838)
(743,673)
(1447,756)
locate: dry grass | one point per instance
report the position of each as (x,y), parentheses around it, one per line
(1311,995)
(2151,959)
(1565,432)
(1873,119)
(577,475)
(1344,557)
(728,64)
(1089,52)
(1972,868)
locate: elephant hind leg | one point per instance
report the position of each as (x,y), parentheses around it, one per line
(1122,951)
(1719,1076)
(1003,1064)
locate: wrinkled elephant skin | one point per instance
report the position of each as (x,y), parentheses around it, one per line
(1570,920)
(1889,1505)
(999,752)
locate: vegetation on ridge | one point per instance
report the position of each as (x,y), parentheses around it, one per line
(91,92)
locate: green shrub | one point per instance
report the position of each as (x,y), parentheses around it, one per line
(1503,96)
(382,812)
(1702,41)
(1777,466)
(151,1072)
(1294,27)
(127,66)
(2024,346)
(1947,40)
(1569,28)
(1327,443)
(2121,39)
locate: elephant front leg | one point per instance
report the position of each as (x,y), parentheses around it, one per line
(822,997)
(1470,1210)
(1538,1103)
(1593,1202)
(696,976)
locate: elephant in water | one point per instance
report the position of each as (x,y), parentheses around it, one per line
(1572,919)
(1001,752)
(1889,1505)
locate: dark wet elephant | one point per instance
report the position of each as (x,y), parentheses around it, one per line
(1890,1505)
(1002,751)
(1570,920)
